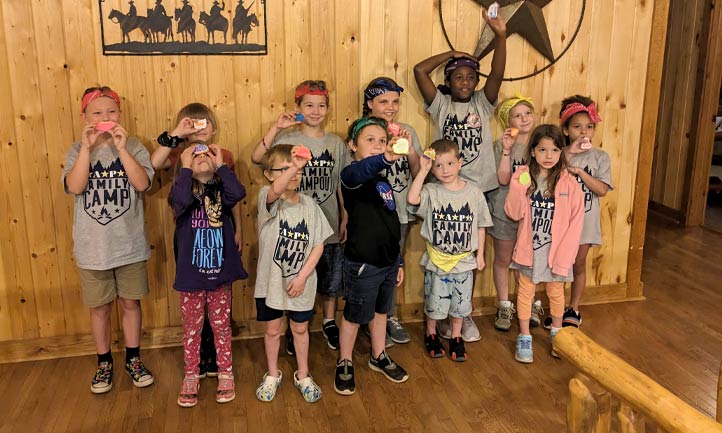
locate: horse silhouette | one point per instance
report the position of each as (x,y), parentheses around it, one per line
(214,23)
(129,23)
(243,25)
(159,23)
(186,25)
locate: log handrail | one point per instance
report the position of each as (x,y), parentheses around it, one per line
(658,404)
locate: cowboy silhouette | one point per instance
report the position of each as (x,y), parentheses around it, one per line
(159,9)
(242,12)
(132,11)
(216,10)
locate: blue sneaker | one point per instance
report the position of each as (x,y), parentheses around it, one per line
(524,352)
(551,339)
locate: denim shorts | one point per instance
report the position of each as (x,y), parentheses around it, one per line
(264,313)
(329,271)
(368,289)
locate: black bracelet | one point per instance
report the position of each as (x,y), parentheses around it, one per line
(168,140)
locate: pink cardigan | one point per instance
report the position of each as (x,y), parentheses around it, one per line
(567,222)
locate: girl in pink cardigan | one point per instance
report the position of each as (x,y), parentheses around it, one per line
(549,205)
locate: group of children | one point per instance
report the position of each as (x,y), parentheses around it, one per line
(333,221)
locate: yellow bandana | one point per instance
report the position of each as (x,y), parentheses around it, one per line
(505,107)
(444,261)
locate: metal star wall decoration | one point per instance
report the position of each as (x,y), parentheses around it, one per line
(523,17)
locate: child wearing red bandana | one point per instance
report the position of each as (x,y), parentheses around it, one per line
(107,172)
(592,168)
(321,181)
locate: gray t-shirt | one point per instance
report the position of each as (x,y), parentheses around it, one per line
(399,176)
(108,223)
(322,175)
(451,222)
(504,228)
(542,214)
(597,163)
(468,125)
(287,232)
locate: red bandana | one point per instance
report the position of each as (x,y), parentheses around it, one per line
(306,90)
(576,107)
(97,94)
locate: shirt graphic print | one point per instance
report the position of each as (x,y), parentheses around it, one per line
(290,252)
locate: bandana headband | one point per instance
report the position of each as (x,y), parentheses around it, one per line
(576,107)
(95,94)
(364,122)
(459,62)
(306,90)
(379,88)
(506,106)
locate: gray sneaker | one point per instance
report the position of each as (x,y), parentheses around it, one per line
(504,316)
(469,330)
(537,312)
(396,331)
(443,329)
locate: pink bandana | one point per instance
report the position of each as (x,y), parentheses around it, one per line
(576,107)
(97,94)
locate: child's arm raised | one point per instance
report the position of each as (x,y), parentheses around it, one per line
(233,191)
(280,185)
(517,201)
(360,172)
(414,195)
(181,193)
(423,70)
(285,120)
(498,61)
(595,185)
(77,178)
(503,171)
(298,284)
(159,158)
(137,175)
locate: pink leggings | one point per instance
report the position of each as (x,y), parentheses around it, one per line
(219,314)
(525,295)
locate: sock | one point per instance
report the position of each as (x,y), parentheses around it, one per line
(132,352)
(505,303)
(555,330)
(105,357)
(325,321)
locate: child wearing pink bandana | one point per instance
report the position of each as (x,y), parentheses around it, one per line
(592,168)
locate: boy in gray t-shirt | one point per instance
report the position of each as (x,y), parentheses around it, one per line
(291,233)
(455,217)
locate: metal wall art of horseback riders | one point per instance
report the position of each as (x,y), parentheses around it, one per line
(240,29)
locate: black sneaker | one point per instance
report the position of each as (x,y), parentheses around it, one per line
(211,368)
(290,348)
(433,346)
(141,376)
(103,380)
(457,351)
(330,331)
(202,369)
(343,381)
(392,371)
(571,318)
(548,322)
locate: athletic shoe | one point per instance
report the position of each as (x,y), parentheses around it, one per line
(330,331)
(469,330)
(268,387)
(551,339)
(547,322)
(188,396)
(343,381)
(141,376)
(457,351)
(396,331)
(524,352)
(290,348)
(504,316)
(310,391)
(392,371)
(571,318)
(433,346)
(443,329)
(103,380)
(387,343)
(536,313)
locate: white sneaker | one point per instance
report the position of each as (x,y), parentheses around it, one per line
(443,328)
(469,330)
(537,312)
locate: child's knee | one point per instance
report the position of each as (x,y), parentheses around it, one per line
(299,328)
(102,311)
(129,304)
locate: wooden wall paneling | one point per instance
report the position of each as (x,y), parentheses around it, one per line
(322,54)
(297,35)
(557,16)
(34,174)
(54,92)
(346,43)
(421,19)
(372,20)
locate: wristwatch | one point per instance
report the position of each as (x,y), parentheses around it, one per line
(167,140)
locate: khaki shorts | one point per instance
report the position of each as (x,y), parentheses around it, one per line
(102,287)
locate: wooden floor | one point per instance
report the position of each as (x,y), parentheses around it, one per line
(675,336)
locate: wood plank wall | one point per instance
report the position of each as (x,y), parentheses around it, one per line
(672,149)
(51,51)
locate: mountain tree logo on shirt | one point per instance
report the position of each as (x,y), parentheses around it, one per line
(291,245)
(588,194)
(398,174)
(451,228)
(108,195)
(542,213)
(317,177)
(516,164)
(465,135)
